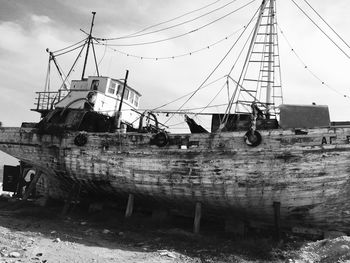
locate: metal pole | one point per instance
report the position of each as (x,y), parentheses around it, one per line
(96,65)
(124,86)
(89,41)
(117,116)
(270,80)
(250,49)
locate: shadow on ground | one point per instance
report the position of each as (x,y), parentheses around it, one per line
(172,238)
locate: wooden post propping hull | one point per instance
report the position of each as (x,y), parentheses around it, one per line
(307,174)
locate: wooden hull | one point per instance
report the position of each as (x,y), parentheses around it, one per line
(307,174)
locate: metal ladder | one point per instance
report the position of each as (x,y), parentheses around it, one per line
(261,76)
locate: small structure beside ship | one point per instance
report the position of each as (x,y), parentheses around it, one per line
(291,171)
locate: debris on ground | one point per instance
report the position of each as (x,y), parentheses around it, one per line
(327,250)
(37,234)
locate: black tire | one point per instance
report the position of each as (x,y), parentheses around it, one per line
(161,139)
(80,139)
(252,139)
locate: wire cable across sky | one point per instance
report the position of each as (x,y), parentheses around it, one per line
(173,26)
(189,53)
(307,67)
(182,34)
(331,39)
(167,21)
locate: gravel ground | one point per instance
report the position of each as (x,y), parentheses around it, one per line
(29,233)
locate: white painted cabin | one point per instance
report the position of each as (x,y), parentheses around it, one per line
(107,96)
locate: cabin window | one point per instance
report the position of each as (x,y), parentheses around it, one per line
(132,96)
(120,90)
(95,83)
(136,101)
(111,88)
(126,94)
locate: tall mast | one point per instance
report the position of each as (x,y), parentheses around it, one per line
(259,81)
(88,44)
(271,33)
(246,62)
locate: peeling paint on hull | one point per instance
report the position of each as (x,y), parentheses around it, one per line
(308,174)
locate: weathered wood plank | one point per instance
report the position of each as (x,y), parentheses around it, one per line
(219,170)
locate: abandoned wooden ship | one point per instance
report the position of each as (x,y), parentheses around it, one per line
(291,157)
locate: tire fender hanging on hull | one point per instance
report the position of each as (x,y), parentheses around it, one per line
(252,138)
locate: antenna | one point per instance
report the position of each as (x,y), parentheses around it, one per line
(88,44)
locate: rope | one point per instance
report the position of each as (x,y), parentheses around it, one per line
(183,34)
(218,65)
(327,24)
(342,50)
(59,50)
(176,25)
(184,96)
(103,56)
(60,54)
(166,104)
(175,56)
(307,68)
(217,94)
(167,21)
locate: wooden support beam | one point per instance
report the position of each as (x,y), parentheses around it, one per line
(277,213)
(32,184)
(130,206)
(18,192)
(73,194)
(197,218)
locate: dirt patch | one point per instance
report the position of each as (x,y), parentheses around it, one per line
(327,250)
(29,233)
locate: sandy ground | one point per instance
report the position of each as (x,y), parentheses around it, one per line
(29,233)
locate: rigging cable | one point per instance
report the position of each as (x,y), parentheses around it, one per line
(103,56)
(342,39)
(208,105)
(60,54)
(173,26)
(189,110)
(95,59)
(188,94)
(76,60)
(62,72)
(218,65)
(175,56)
(183,96)
(342,50)
(307,68)
(240,54)
(70,46)
(170,20)
(183,34)
(201,108)
(48,73)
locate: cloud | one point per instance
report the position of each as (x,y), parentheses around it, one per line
(14,38)
(40,20)
(29,27)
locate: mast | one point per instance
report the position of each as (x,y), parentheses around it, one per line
(271,32)
(88,44)
(259,81)
(246,62)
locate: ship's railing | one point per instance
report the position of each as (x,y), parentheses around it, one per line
(47,99)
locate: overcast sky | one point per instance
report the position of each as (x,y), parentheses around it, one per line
(28,27)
